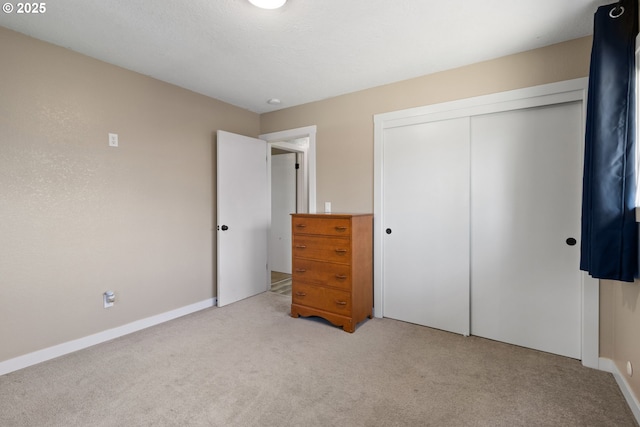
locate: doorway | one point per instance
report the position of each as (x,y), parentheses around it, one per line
(284,183)
(243,245)
(291,171)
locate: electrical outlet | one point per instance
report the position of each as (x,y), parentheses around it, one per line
(113,140)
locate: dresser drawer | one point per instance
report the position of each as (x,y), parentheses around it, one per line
(330,249)
(327,227)
(327,299)
(322,273)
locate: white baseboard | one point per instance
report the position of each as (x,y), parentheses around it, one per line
(632,400)
(49,353)
(605,364)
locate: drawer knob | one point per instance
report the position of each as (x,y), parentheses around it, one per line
(341,228)
(301,294)
(301,247)
(341,276)
(300,270)
(341,302)
(341,251)
(301,225)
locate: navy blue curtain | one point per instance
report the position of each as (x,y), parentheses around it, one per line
(609,244)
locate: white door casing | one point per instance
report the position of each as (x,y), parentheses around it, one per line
(243,207)
(556,93)
(299,140)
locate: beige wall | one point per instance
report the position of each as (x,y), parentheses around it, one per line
(620,327)
(79,217)
(345,124)
(345,151)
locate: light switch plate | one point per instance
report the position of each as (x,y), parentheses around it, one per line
(113,140)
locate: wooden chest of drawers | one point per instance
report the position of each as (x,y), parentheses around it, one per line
(333,267)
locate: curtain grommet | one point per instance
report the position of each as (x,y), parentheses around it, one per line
(616,12)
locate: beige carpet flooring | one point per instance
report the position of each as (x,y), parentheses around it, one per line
(251,364)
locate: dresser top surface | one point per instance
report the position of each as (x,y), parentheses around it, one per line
(330,215)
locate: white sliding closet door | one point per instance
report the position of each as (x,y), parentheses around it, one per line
(426,211)
(525,204)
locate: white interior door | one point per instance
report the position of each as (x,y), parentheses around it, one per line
(525,189)
(426,212)
(242,217)
(283,204)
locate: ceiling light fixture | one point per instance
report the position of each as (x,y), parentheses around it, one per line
(268,4)
(273,101)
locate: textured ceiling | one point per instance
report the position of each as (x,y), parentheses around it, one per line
(306,51)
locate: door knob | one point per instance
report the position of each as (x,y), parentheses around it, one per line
(388,231)
(571,241)
(225,228)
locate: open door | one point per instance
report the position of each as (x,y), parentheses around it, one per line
(242,217)
(283,204)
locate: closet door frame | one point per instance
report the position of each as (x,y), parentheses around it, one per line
(549,94)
